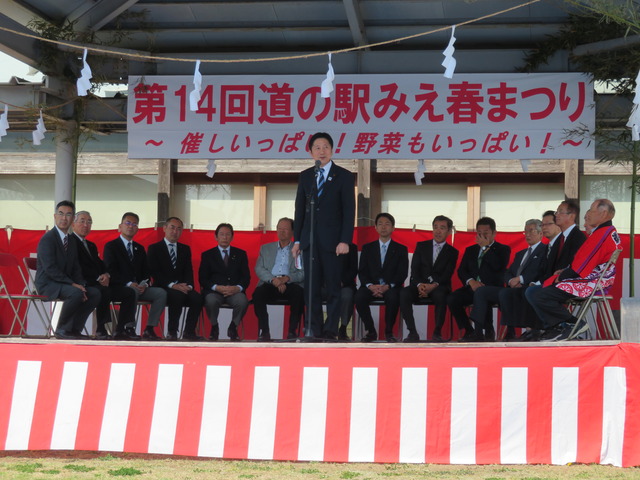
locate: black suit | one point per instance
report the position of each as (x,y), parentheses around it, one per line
(164,274)
(373,272)
(424,270)
(556,261)
(490,272)
(92,267)
(334,216)
(213,271)
(57,270)
(124,271)
(511,300)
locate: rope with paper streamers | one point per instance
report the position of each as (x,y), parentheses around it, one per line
(269,59)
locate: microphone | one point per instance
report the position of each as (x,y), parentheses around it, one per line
(316,168)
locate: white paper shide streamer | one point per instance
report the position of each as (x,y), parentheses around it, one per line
(84,82)
(4,122)
(327,84)
(634,119)
(38,133)
(194,96)
(449,63)
(211,168)
(420,171)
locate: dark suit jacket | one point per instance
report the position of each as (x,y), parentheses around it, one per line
(574,241)
(121,269)
(533,267)
(395,268)
(424,271)
(90,262)
(334,210)
(214,272)
(161,269)
(491,271)
(55,266)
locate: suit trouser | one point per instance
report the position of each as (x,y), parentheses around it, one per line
(75,308)
(127,311)
(516,311)
(548,303)
(327,271)
(266,293)
(158,298)
(457,301)
(483,299)
(391,300)
(176,301)
(438,296)
(238,303)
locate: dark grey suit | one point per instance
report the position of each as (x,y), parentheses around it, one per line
(57,270)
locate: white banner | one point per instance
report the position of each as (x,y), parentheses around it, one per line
(492,116)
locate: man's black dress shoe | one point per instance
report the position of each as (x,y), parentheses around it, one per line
(192,337)
(62,335)
(413,337)
(150,334)
(370,337)
(103,335)
(264,337)
(171,337)
(232,332)
(215,333)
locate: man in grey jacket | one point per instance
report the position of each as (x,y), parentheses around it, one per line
(279,280)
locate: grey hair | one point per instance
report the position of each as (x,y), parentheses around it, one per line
(536,222)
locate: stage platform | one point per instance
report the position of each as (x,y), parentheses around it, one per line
(495,403)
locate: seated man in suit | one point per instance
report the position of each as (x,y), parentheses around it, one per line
(482,264)
(224,278)
(126,262)
(579,279)
(279,280)
(384,265)
(96,275)
(526,268)
(59,276)
(171,269)
(432,266)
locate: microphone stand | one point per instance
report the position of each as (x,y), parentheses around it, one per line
(308,332)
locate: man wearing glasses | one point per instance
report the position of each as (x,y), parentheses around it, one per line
(59,276)
(126,262)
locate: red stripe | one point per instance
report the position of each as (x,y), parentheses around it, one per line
(287,435)
(93,401)
(488,430)
(539,409)
(387,449)
(8,365)
(142,402)
(240,401)
(336,441)
(46,401)
(190,409)
(438,414)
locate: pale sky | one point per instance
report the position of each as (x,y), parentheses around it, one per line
(10,67)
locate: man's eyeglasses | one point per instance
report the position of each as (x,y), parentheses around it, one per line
(63,214)
(130,224)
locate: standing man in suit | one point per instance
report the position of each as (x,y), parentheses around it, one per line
(332,189)
(279,280)
(348,289)
(126,262)
(96,275)
(526,268)
(384,264)
(224,278)
(482,264)
(59,276)
(432,266)
(171,269)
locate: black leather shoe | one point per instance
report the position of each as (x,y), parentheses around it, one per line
(62,335)
(232,332)
(292,335)
(171,337)
(192,337)
(370,337)
(390,338)
(329,338)
(150,334)
(264,337)
(103,335)
(342,334)
(413,337)
(490,335)
(476,336)
(436,337)
(215,332)
(80,336)
(469,336)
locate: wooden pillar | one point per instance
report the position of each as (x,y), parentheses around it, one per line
(259,207)
(473,206)
(369,201)
(572,169)
(166,168)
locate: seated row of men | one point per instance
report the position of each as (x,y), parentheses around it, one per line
(530,293)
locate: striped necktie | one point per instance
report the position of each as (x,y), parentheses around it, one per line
(65,242)
(523,262)
(320,181)
(172,254)
(130,251)
(438,250)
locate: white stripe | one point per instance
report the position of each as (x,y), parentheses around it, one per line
(564,416)
(464,405)
(215,406)
(614,409)
(65,425)
(166,405)
(23,403)
(513,428)
(413,415)
(313,413)
(116,407)
(263,413)
(362,430)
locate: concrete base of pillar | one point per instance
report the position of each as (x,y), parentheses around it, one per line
(630,320)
